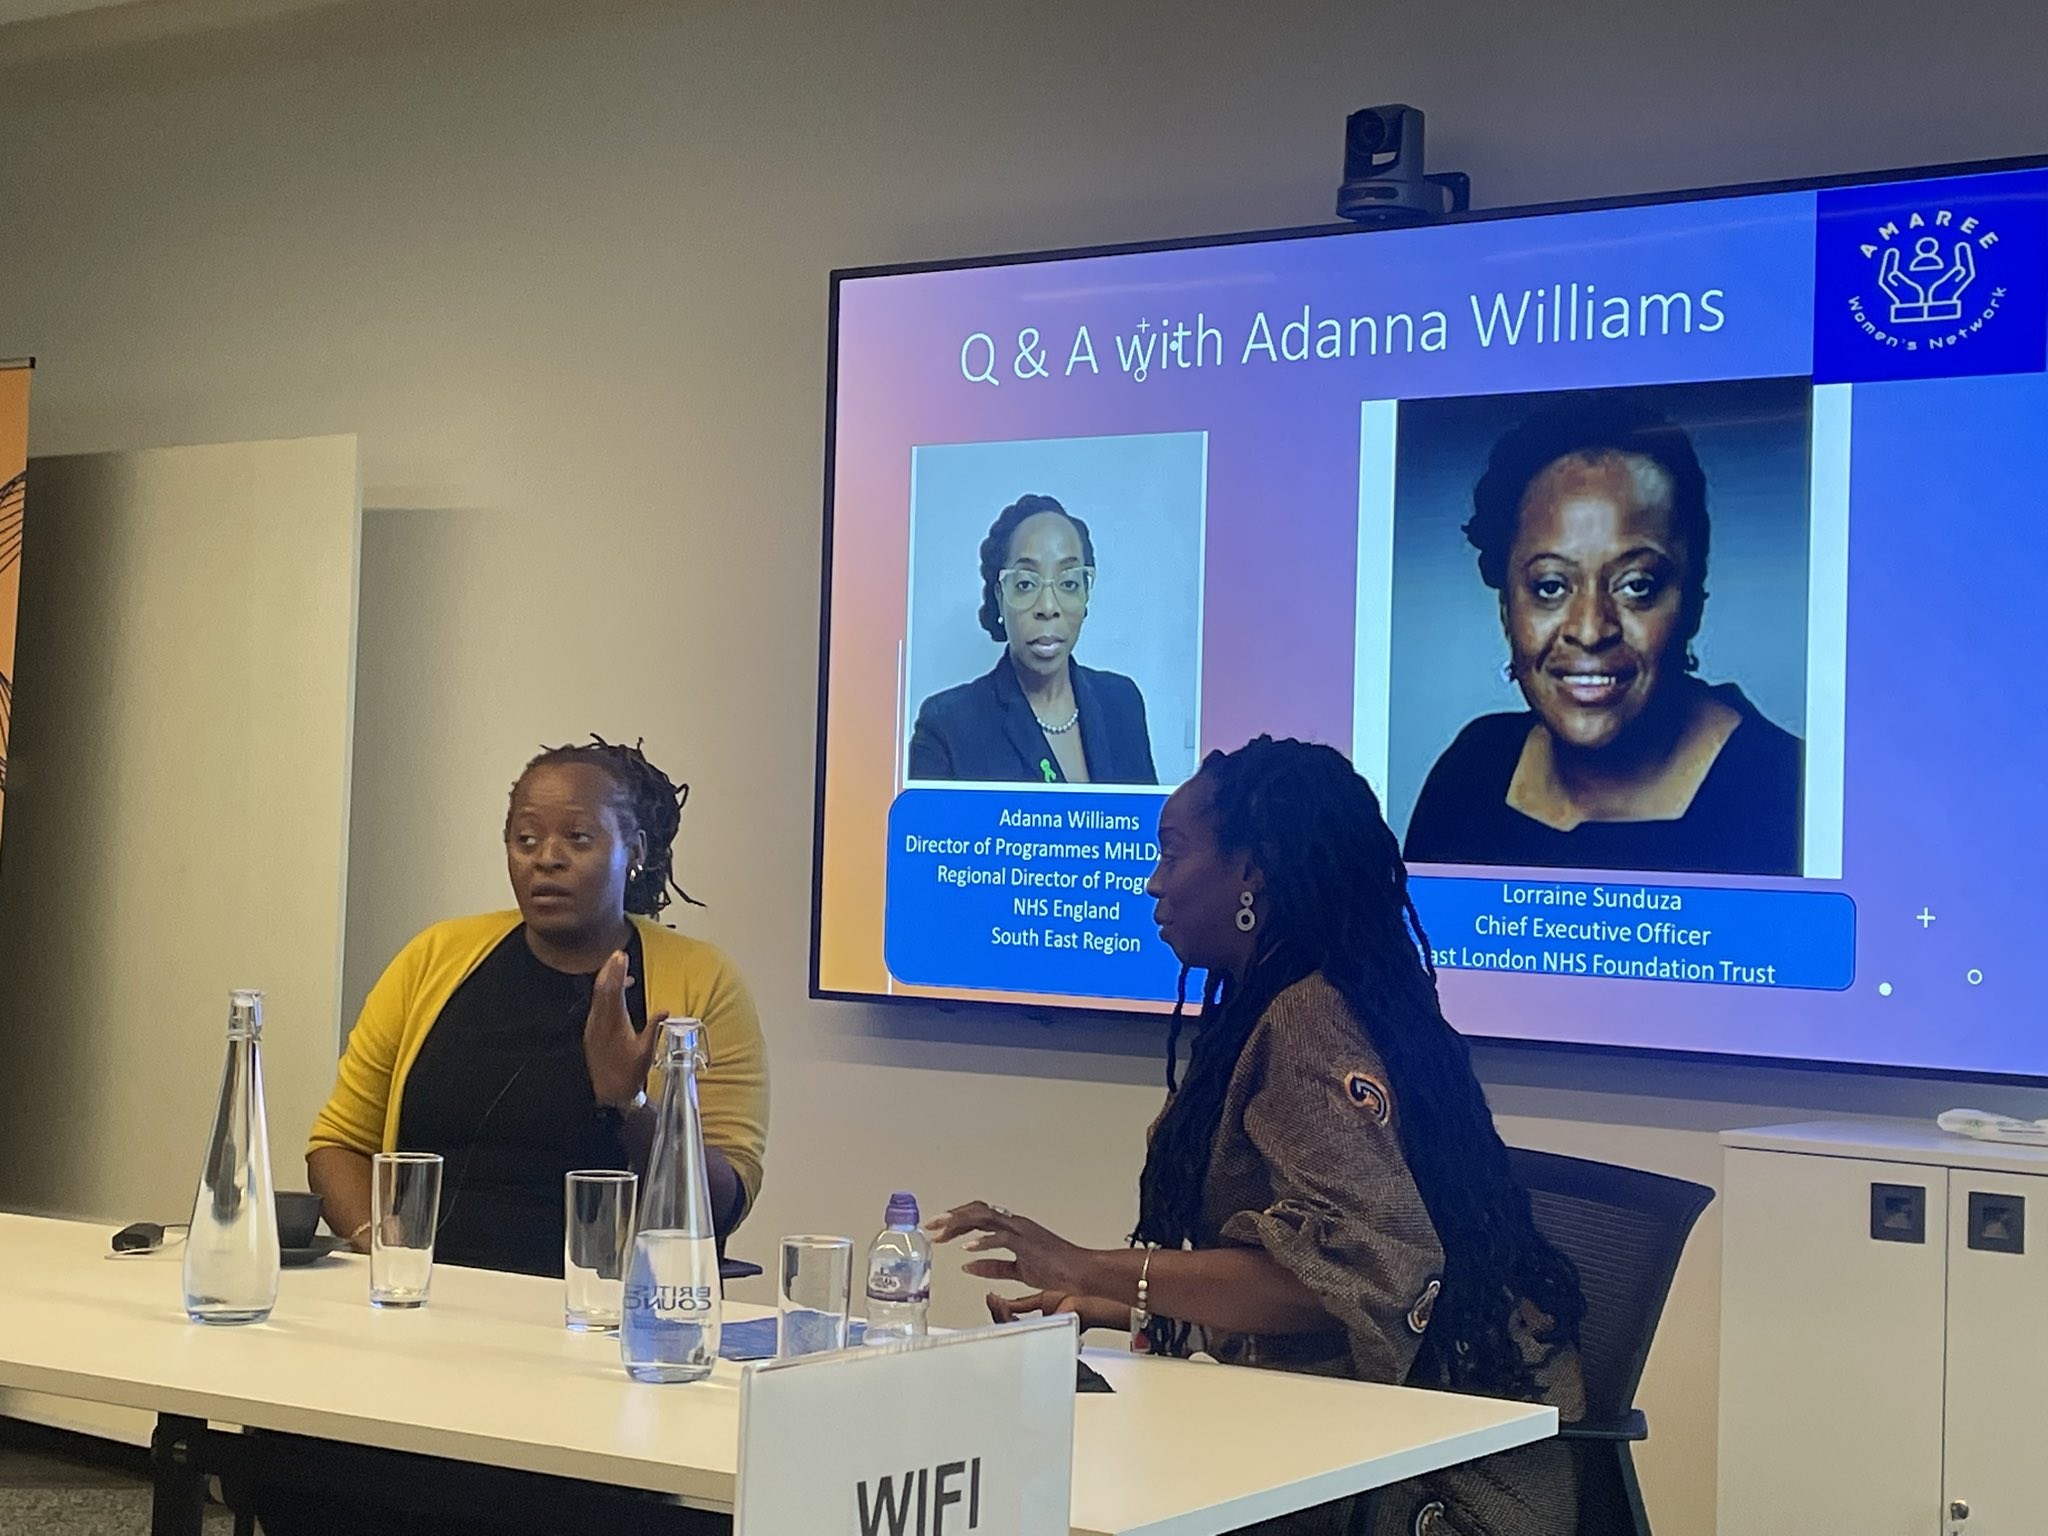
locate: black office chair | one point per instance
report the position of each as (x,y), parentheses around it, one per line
(1624,1229)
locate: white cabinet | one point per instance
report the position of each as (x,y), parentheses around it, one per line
(1884,1334)
(1997,1402)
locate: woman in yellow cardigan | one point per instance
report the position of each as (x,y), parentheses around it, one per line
(519,1044)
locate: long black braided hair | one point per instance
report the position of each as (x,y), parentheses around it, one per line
(1336,900)
(645,800)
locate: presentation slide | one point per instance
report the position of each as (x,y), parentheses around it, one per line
(1651,563)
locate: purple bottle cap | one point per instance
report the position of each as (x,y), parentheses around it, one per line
(902,1209)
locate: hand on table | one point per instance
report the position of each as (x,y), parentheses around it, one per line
(618,1057)
(1093,1311)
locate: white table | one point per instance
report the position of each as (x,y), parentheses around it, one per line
(485,1373)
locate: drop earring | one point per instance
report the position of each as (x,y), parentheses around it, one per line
(1247,919)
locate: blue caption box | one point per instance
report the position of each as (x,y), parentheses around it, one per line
(1623,930)
(1019,890)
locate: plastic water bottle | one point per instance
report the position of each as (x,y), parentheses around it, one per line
(668,1321)
(231,1252)
(899,1275)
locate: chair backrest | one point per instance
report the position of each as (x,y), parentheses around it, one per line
(1624,1230)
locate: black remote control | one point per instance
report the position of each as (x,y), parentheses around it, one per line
(139,1237)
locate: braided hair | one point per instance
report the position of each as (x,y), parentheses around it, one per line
(645,800)
(1336,901)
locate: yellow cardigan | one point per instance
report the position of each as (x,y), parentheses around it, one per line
(685,976)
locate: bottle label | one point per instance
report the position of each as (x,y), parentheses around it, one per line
(673,1279)
(890,1289)
(671,1303)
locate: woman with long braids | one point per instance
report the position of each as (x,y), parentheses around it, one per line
(1324,1190)
(518,1044)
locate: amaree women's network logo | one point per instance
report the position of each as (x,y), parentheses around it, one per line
(1932,279)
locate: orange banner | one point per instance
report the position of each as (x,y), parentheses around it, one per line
(13,497)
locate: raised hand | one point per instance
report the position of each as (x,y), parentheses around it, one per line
(1948,288)
(617,1055)
(1902,290)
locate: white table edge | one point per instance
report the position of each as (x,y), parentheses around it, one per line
(1539,1423)
(700,1488)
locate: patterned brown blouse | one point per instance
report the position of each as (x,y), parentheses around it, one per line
(1306,1164)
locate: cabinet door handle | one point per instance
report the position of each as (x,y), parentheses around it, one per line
(1959,1509)
(1898,1213)
(1998,1223)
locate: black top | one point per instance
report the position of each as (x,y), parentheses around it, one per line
(500,1089)
(1743,820)
(985,730)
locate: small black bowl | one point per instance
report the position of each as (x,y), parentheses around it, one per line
(298,1218)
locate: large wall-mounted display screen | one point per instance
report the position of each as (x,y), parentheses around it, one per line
(1669,569)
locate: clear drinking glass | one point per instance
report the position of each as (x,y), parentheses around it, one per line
(812,1294)
(405,1207)
(597,1244)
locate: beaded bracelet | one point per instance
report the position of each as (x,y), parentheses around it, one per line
(1141,1314)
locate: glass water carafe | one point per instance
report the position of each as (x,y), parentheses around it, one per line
(668,1326)
(231,1255)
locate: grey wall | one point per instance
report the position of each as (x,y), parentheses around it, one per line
(563,268)
(180,763)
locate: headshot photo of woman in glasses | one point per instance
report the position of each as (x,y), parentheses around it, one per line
(1038,715)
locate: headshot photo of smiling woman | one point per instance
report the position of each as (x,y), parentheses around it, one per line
(1592,523)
